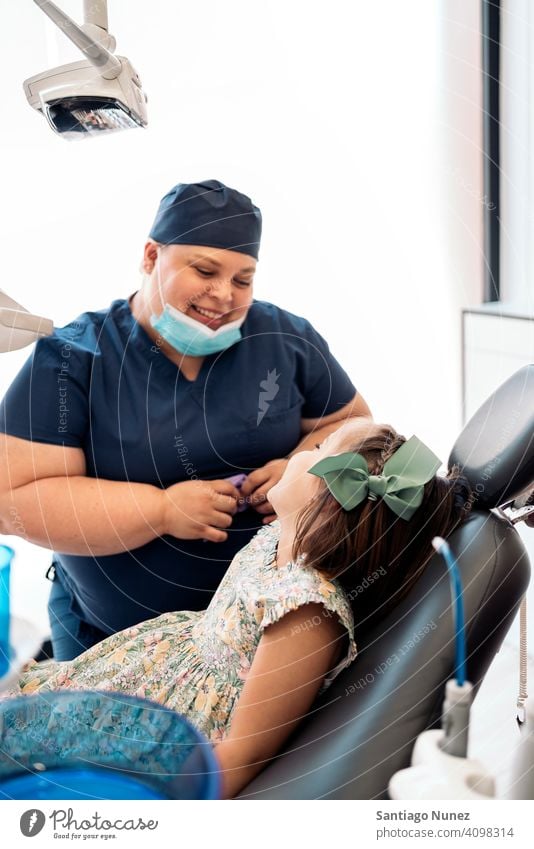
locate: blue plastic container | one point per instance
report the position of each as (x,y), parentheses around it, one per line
(73,744)
(6,556)
(75,782)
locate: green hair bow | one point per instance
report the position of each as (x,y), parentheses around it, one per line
(400,485)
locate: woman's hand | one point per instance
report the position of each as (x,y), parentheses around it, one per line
(257,485)
(198,509)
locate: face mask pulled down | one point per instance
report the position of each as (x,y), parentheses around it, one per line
(190,337)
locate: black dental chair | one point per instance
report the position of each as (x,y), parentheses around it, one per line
(364,727)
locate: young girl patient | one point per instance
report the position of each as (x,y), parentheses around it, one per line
(281,625)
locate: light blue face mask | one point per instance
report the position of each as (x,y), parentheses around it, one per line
(193,338)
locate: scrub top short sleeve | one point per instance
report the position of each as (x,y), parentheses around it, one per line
(48,399)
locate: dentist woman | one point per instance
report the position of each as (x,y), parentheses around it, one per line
(121,430)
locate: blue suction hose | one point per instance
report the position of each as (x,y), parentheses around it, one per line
(444,549)
(455,716)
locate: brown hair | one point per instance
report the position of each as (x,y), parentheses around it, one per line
(376,556)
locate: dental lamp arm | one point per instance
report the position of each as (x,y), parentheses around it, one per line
(108,65)
(95,13)
(18,327)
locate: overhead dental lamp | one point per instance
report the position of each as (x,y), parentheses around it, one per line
(100,94)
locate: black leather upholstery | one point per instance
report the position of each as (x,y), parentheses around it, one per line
(364,727)
(496,447)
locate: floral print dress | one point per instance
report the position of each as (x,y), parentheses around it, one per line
(196,662)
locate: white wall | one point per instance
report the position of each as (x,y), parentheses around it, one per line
(497,346)
(356,127)
(512,340)
(517,169)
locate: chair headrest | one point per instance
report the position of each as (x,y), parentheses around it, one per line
(495,450)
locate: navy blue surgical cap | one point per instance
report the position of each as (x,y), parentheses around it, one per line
(211,214)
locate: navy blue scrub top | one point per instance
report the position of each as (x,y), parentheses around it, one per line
(101,384)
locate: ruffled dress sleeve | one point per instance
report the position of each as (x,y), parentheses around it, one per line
(286,588)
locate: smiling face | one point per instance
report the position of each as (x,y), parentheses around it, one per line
(296,487)
(211,285)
